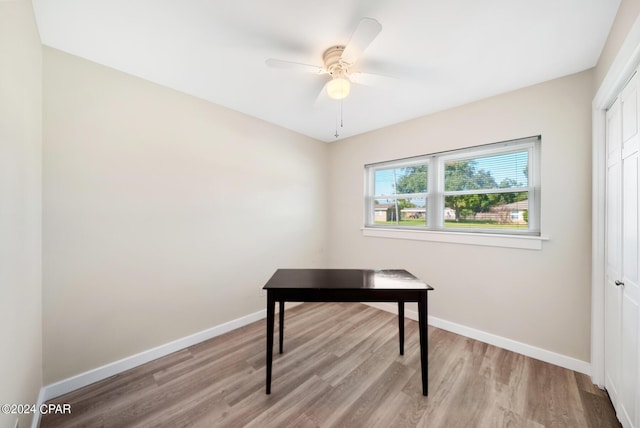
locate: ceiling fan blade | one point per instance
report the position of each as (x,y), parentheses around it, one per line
(367,30)
(370,79)
(294,66)
(322,98)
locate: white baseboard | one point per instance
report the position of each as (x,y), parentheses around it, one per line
(83,379)
(499,341)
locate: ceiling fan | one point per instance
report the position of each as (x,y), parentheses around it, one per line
(338,60)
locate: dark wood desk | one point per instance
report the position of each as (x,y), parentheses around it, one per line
(347,285)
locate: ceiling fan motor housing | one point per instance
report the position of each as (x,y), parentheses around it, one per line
(333,61)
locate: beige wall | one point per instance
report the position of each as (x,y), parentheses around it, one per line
(164,214)
(540,298)
(20,208)
(628,13)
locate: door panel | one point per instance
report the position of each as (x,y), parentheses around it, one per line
(629,107)
(613,257)
(629,364)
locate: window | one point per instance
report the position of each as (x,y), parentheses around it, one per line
(492,188)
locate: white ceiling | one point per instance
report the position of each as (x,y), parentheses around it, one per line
(436,54)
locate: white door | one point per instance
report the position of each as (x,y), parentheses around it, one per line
(613,250)
(630,281)
(622,295)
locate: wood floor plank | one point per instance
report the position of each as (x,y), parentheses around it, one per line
(358,351)
(332,406)
(363,410)
(341,367)
(598,410)
(288,408)
(553,397)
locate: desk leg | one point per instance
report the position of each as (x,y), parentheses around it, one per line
(281,324)
(271,306)
(401,326)
(424,346)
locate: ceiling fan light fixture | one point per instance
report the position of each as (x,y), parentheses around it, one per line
(338,88)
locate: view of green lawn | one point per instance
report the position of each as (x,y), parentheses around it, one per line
(482,224)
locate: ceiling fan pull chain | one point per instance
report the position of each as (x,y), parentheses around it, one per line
(341,122)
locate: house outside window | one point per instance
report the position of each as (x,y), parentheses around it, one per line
(493,188)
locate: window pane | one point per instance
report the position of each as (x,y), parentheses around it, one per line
(400,181)
(488,211)
(501,171)
(400,212)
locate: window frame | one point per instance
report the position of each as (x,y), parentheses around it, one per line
(435,196)
(402,163)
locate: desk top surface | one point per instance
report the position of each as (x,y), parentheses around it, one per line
(348,279)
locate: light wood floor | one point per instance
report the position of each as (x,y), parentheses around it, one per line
(340,368)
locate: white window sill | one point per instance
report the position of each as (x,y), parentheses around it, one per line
(526,242)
